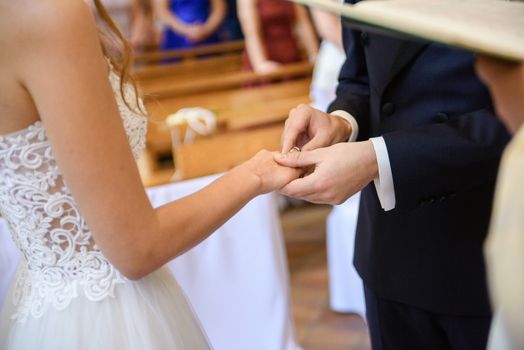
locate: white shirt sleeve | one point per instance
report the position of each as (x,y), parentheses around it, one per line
(351,120)
(384,181)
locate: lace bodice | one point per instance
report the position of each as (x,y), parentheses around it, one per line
(60,259)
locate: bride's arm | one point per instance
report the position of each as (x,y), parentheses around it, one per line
(60,63)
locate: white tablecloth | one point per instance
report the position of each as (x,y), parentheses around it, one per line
(346,293)
(237,280)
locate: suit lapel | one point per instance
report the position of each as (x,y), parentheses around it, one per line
(388,57)
(406,53)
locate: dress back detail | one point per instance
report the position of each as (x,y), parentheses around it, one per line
(60,257)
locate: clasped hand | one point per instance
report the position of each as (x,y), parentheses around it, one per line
(195,32)
(332,169)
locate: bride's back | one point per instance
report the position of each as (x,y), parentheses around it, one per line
(60,256)
(64,130)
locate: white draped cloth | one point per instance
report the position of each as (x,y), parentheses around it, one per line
(346,293)
(505,251)
(237,280)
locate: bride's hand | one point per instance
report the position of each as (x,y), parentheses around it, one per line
(270,175)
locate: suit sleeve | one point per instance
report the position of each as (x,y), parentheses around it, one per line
(437,161)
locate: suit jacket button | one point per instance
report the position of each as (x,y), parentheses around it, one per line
(364,39)
(388,108)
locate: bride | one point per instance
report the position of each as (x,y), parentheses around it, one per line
(93,247)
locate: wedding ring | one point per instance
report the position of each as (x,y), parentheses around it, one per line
(295,149)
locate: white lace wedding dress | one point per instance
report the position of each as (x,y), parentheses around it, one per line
(67,295)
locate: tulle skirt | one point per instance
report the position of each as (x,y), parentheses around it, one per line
(149,314)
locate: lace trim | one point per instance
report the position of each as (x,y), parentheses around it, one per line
(35,292)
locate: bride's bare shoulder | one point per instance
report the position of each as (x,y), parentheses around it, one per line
(42,17)
(34,35)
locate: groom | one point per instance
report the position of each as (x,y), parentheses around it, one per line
(426,151)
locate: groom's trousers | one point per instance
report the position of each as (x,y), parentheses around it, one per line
(397,326)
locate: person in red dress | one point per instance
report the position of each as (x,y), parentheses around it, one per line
(272,31)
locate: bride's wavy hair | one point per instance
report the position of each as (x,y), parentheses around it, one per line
(117,49)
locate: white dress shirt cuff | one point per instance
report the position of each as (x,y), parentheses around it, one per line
(351,120)
(384,181)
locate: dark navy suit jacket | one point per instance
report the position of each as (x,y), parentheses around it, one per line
(444,144)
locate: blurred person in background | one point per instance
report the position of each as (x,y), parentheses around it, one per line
(231,29)
(143,32)
(134,18)
(330,58)
(272,30)
(120,11)
(188,23)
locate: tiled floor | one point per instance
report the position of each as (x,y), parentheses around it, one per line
(317,327)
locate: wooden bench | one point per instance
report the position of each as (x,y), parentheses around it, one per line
(215,65)
(221,152)
(148,58)
(216,154)
(235,109)
(177,86)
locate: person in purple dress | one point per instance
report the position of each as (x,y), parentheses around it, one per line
(189,22)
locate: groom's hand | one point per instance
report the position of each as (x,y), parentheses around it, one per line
(337,172)
(309,129)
